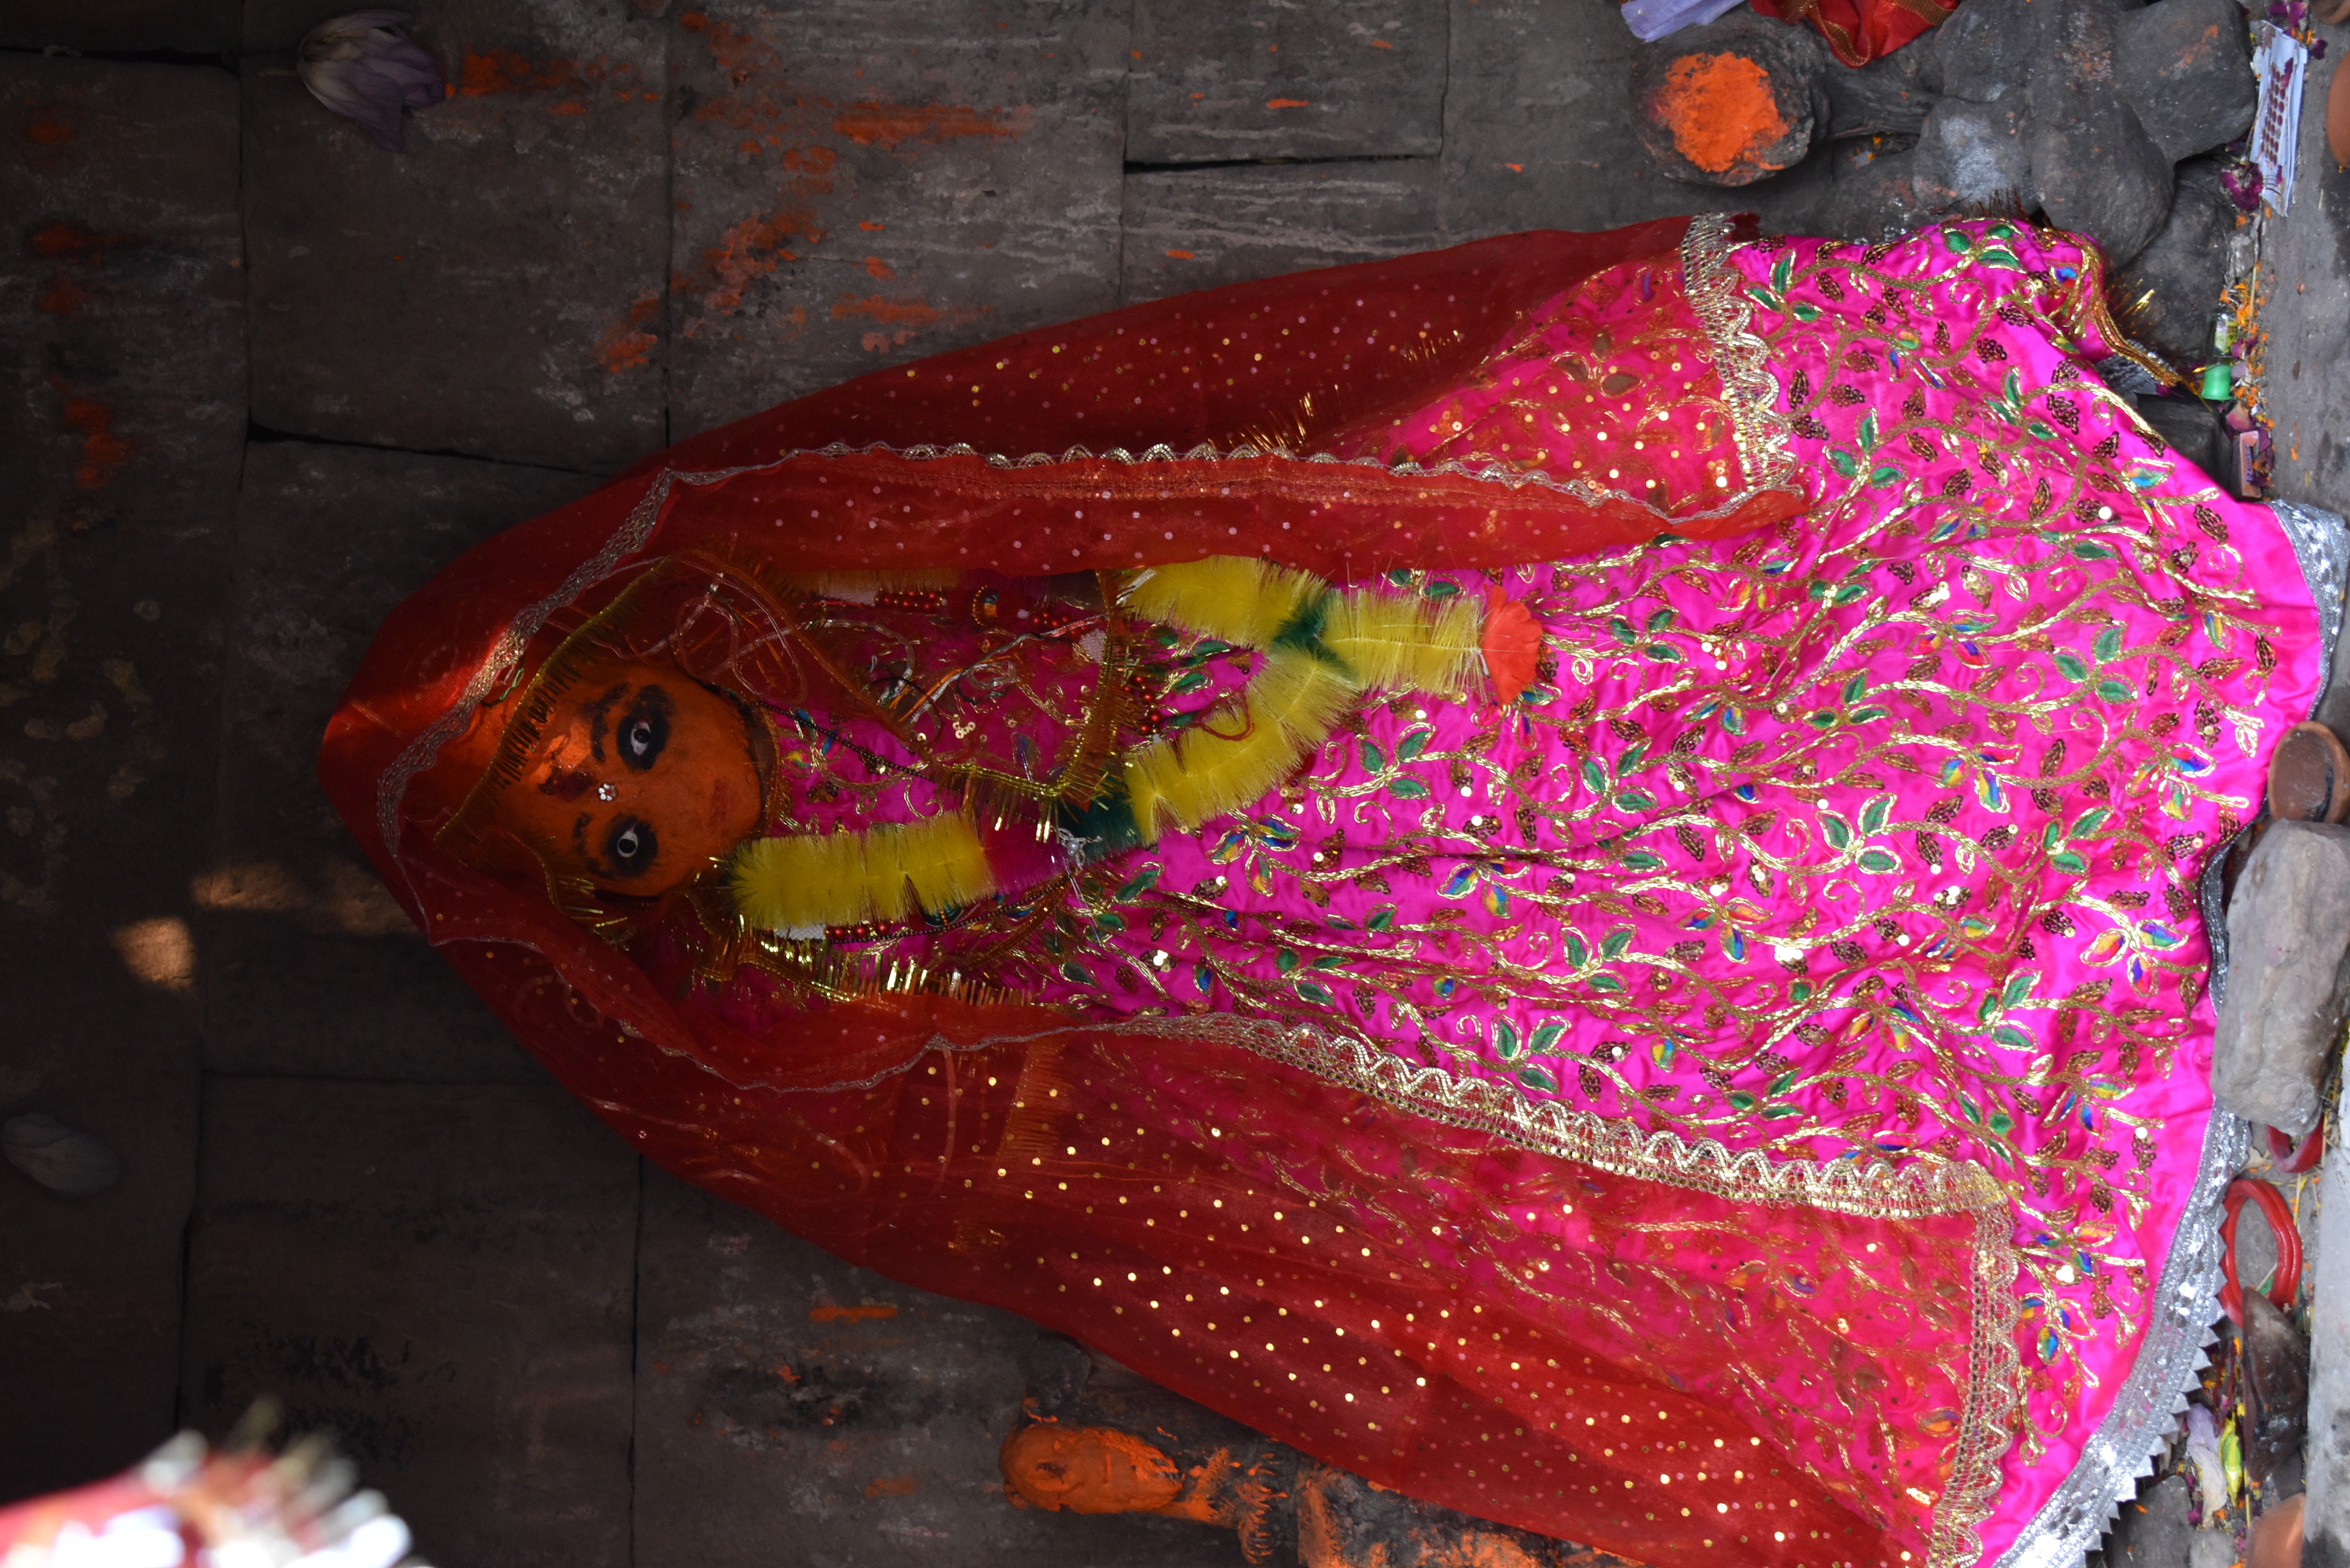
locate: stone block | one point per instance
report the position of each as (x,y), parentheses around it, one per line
(1731,102)
(1202,227)
(187,27)
(309,966)
(121,424)
(441,1278)
(2288,975)
(1886,97)
(2171,291)
(2186,67)
(840,207)
(1979,148)
(2096,169)
(1537,132)
(2189,428)
(1984,52)
(2275,1358)
(783,1396)
(495,290)
(89,1287)
(1970,156)
(2097,172)
(1324,78)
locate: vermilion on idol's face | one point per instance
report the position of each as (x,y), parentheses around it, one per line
(640,777)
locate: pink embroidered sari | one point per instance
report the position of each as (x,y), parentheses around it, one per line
(1743,1100)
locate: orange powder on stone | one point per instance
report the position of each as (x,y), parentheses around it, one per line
(1720,110)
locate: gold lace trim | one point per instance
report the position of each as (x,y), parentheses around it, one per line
(1579,490)
(1740,358)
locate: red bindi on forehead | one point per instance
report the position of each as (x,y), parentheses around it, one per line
(566,784)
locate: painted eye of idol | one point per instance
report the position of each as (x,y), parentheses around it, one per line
(629,847)
(645,729)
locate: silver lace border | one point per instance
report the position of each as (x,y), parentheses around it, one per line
(2181,1317)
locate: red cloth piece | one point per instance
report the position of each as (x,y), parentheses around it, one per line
(1859,31)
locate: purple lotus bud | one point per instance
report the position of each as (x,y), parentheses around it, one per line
(2316,49)
(364,67)
(2243,186)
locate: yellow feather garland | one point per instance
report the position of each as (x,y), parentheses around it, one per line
(1209,770)
(800,882)
(1388,645)
(1367,641)
(1240,600)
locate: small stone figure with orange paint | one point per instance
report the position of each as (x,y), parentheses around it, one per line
(1096,1438)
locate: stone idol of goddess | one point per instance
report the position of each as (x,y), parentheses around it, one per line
(1564,873)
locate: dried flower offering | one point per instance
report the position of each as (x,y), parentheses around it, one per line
(365,68)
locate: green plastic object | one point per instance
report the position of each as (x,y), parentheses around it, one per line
(2217,381)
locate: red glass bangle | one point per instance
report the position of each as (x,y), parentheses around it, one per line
(2288,1245)
(2291,1158)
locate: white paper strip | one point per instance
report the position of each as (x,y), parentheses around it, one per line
(2283,65)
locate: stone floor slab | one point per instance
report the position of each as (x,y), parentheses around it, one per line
(193,27)
(311,967)
(866,183)
(2152,1530)
(1317,78)
(89,1287)
(1538,130)
(439,1276)
(121,301)
(496,289)
(121,430)
(784,1397)
(1198,228)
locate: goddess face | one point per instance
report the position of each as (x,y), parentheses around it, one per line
(640,777)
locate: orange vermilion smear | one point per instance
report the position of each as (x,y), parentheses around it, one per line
(1720,110)
(70,241)
(61,297)
(849,1315)
(102,452)
(885,125)
(626,347)
(877,308)
(750,249)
